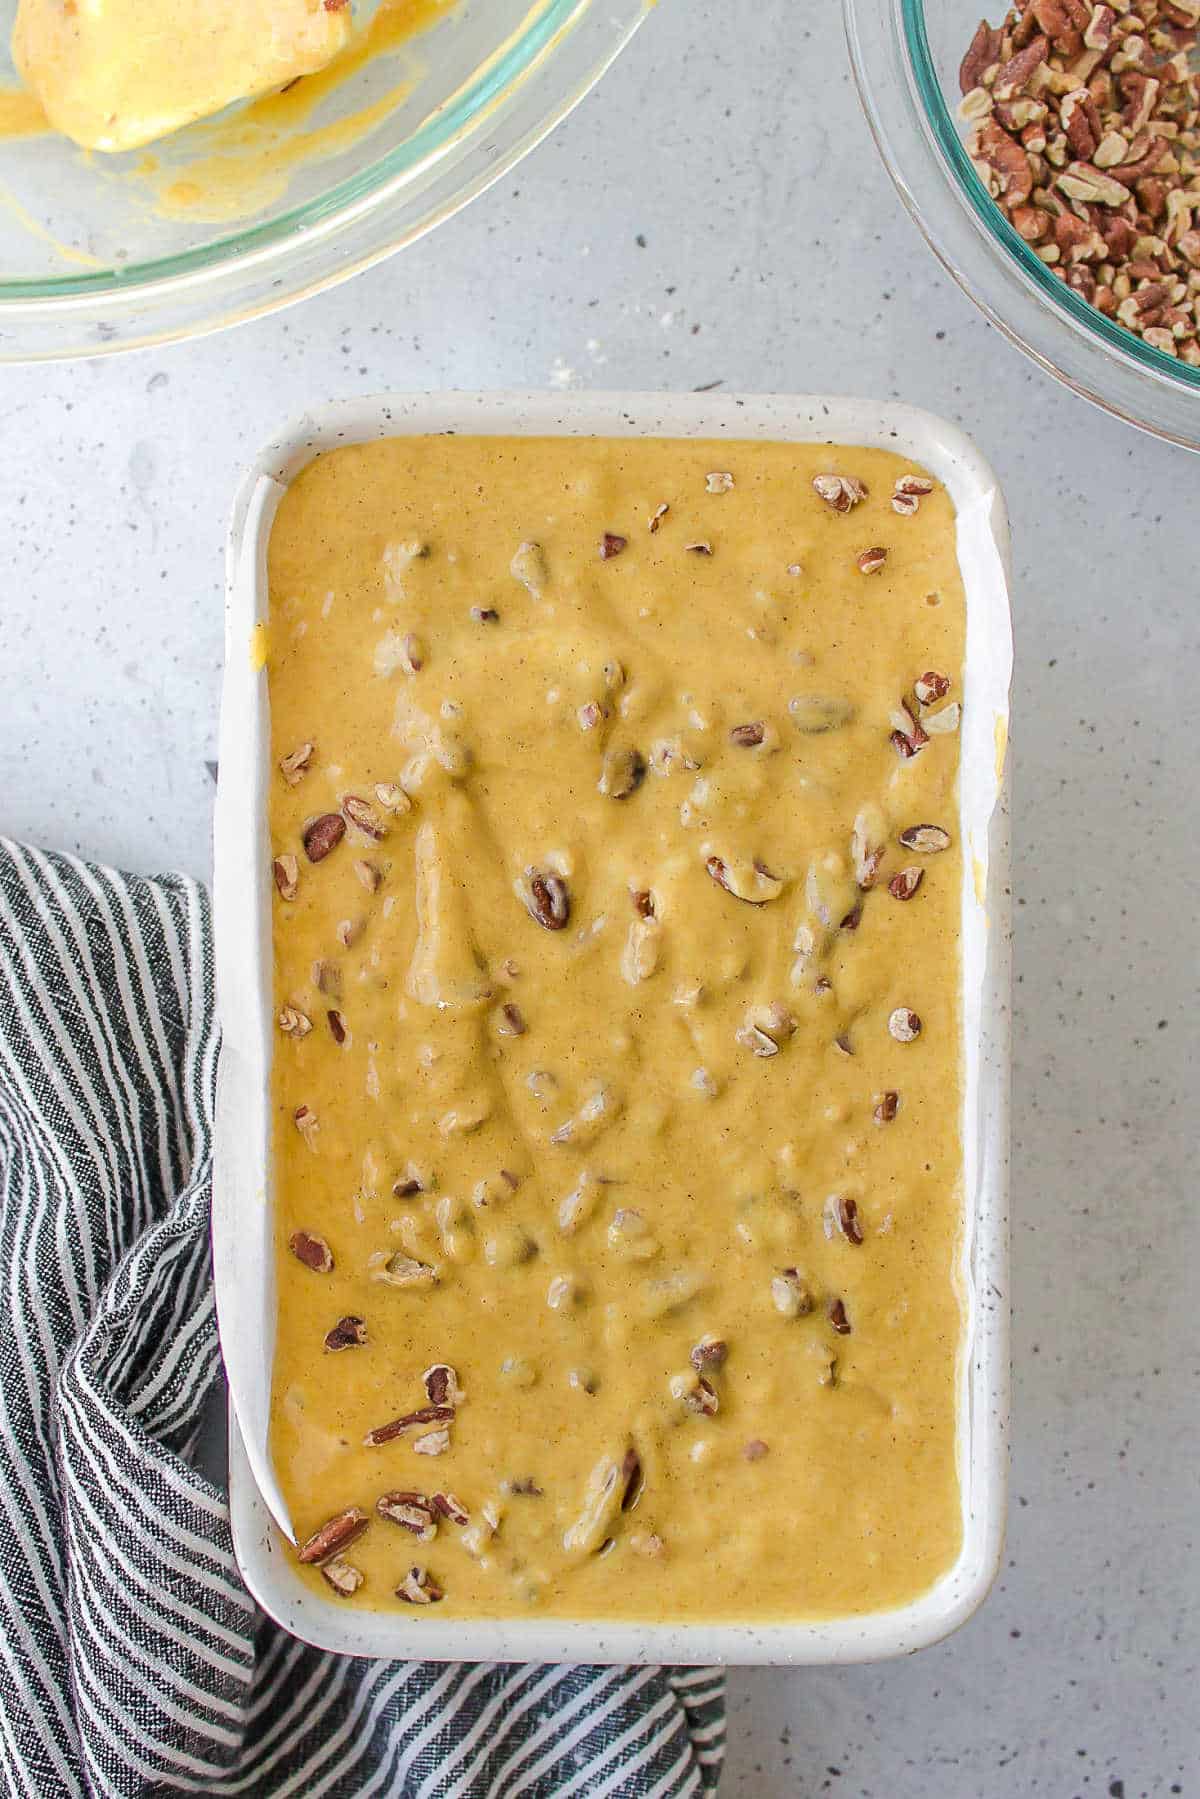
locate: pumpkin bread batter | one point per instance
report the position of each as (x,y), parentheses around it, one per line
(617,1078)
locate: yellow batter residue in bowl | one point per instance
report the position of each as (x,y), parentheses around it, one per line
(227,168)
(242,165)
(617,1073)
(116,74)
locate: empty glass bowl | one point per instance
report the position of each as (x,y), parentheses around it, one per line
(93,258)
(906,55)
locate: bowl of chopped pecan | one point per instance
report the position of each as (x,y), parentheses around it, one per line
(1050,154)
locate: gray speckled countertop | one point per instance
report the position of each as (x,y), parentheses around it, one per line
(715,213)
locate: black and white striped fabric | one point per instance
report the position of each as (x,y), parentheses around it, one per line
(134,1662)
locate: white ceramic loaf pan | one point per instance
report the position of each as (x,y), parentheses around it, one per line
(242,1233)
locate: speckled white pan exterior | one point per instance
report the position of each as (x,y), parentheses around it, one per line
(242,1236)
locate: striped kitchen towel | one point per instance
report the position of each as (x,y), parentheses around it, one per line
(133,1660)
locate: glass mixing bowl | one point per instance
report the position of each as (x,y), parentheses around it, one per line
(905,55)
(93,258)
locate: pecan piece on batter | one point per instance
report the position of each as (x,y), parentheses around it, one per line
(335,1535)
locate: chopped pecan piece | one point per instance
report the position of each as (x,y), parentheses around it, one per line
(916,486)
(700,548)
(886,1106)
(983,53)
(904,1025)
(307,1123)
(450,1507)
(411,1511)
(579,1204)
(748,881)
(412,654)
(323,834)
(841,1214)
(656,518)
(419,1588)
(597,1112)
(1080,119)
(528,566)
(827,893)
(312,1250)
(478,1535)
(286,870)
(613,1487)
(512,1020)
(908,735)
(337,1026)
(639,958)
(434,1442)
(841,492)
(547,899)
(631,1236)
(348,1333)
(1012,75)
(765,1029)
(611,544)
(931,687)
(427,1417)
(748,736)
(709,1353)
(1011,171)
(343,1577)
(926,840)
(719,481)
(868,845)
(562,1292)
(790,1294)
(903,885)
(697,1394)
(392,797)
(337,1533)
(622,772)
(363,817)
(838,1318)
(485,615)
(294,767)
(869,562)
(368,875)
(293,1022)
(942,723)
(400,1270)
(441,1384)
